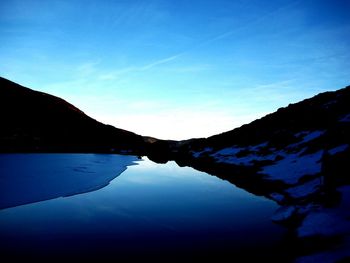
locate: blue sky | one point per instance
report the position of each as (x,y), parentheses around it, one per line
(176,69)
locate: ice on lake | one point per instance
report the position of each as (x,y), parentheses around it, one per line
(30,178)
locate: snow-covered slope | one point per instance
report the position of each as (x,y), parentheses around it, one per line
(297,156)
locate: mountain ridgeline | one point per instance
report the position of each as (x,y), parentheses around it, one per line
(298,156)
(328,113)
(33,121)
(313,127)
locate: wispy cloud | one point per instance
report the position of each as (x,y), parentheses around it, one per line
(191,68)
(119,73)
(157,63)
(248,24)
(136,12)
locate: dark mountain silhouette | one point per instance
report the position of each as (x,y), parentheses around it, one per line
(321,112)
(33,121)
(315,125)
(299,157)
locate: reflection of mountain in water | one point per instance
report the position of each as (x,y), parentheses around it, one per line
(297,156)
(293,147)
(30,178)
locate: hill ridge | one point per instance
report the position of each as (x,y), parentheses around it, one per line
(35,121)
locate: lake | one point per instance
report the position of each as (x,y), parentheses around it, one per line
(113,207)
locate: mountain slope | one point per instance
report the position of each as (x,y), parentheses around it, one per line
(320,112)
(36,121)
(298,156)
(296,137)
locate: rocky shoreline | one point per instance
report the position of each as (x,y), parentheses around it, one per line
(297,157)
(315,211)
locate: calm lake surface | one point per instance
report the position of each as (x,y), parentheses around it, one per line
(150,212)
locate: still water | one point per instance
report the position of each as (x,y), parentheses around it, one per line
(149,212)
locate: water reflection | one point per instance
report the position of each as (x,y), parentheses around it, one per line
(150,212)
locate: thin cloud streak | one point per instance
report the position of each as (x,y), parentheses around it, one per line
(245,26)
(118,73)
(159,62)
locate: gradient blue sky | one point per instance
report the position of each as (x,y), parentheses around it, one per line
(176,69)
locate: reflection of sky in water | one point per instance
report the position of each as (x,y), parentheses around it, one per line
(149,207)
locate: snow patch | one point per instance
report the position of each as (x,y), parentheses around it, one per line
(229,155)
(206,150)
(293,167)
(329,221)
(283,213)
(338,149)
(258,146)
(312,136)
(304,189)
(305,136)
(277,197)
(246,160)
(345,118)
(229,151)
(325,223)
